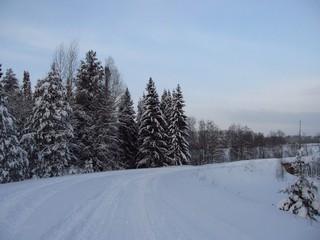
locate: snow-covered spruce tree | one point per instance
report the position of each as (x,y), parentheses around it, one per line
(106,142)
(303,197)
(26,87)
(50,125)
(153,151)
(89,81)
(127,131)
(27,101)
(140,110)
(10,82)
(13,159)
(28,138)
(166,108)
(166,105)
(178,131)
(12,91)
(29,145)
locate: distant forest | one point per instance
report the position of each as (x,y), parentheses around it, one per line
(80,119)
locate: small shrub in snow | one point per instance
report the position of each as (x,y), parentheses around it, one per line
(303,197)
(303,200)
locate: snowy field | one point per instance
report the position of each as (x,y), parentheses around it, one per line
(223,201)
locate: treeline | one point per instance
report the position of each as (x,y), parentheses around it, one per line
(81,119)
(208,143)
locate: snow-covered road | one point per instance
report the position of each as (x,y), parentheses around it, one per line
(225,201)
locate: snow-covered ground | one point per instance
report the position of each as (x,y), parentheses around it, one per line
(222,201)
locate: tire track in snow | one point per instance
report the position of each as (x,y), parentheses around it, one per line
(17,206)
(8,200)
(96,215)
(130,218)
(119,209)
(127,205)
(81,221)
(137,211)
(166,203)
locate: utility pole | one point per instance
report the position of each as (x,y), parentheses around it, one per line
(299,156)
(300,135)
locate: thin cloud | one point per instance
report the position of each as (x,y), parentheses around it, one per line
(31,36)
(267,120)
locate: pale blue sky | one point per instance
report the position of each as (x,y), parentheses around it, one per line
(256,63)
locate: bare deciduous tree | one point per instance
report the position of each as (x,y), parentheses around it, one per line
(114,81)
(66,62)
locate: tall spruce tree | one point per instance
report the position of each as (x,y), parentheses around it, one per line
(140,110)
(50,124)
(89,81)
(27,101)
(127,131)
(166,107)
(28,139)
(178,131)
(153,151)
(13,159)
(26,86)
(12,91)
(165,104)
(106,144)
